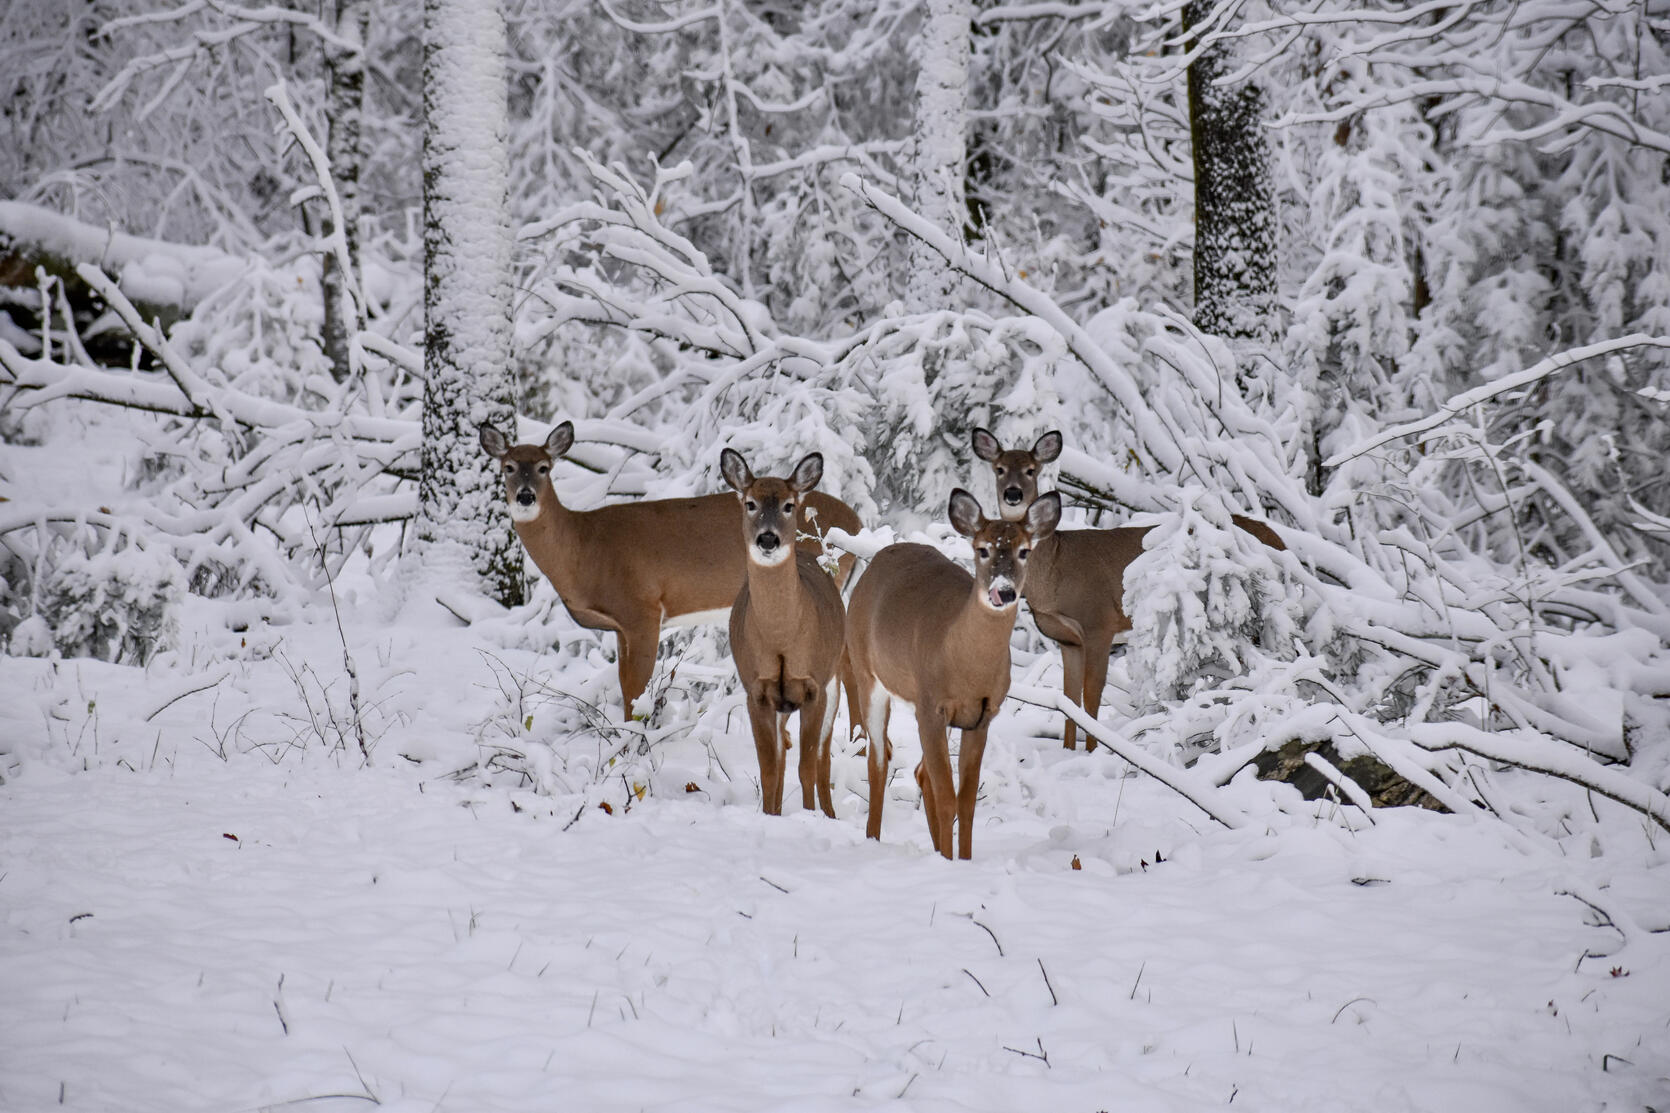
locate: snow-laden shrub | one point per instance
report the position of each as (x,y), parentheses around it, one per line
(1205,600)
(116,605)
(30,638)
(935,377)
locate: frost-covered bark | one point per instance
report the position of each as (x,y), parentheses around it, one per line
(467,246)
(345,70)
(1235,199)
(940,147)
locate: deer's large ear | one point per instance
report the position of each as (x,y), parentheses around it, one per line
(985,445)
(560,440)
(1043,516)
(1048,446)
(492,441)
(807,473)
(735,469)
(966,515)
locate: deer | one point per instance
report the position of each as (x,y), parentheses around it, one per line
(1076,586)
(787,631)
(922,629)
(629,567)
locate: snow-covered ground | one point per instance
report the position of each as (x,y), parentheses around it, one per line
(290,926)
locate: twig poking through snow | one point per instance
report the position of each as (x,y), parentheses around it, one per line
(195,685)
(1054,1000)
(1040,1054)
(989,932)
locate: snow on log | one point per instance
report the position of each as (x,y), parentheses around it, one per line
(163,280)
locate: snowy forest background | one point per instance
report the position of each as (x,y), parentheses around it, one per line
(1420,321)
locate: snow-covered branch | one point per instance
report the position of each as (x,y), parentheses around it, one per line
(1508,384)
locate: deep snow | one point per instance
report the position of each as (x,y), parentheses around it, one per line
(291,927)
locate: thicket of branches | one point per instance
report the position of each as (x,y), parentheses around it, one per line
(1460,419)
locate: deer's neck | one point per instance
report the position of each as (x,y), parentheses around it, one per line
(979,634)
(775,604)
(551,539)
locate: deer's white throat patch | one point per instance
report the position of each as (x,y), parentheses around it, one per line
(772,559)
(520,513)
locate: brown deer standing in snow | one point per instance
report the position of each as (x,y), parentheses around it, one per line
(631,566)
(787,630)
(1076,585)
(921,629)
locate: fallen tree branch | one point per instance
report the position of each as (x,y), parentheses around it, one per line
(1202,796)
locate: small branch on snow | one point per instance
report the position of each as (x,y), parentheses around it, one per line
(1041,1055)
(1054,1000)
(194,686)
(989,932)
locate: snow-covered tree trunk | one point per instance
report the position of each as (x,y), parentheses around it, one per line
(940,147)
(467,246)
(1235,198)
(345,70)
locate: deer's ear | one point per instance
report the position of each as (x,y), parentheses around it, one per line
(1043,516)
(560,440)
(735,469)
(1048,446)
(492,441)
(965,512)
(985,445)
(807,473)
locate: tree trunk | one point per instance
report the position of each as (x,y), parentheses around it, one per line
(467,246)
(345,71)
(940,147)
(1235,199)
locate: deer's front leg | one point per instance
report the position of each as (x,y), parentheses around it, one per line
(934,775)
(811,731)
(636,648)
(969,756)
(767,725)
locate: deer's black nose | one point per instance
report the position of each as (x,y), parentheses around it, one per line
(1011,495)
(525,497)
(767,541)
(1006,595)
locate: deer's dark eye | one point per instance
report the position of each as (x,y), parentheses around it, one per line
(1000,471)
(544,469)
(788,508)
(751,505)
(1031,471)
(983,553)
(510,467)
(1023,553)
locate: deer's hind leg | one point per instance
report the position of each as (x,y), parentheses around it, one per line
(872,704)
(1096,651)
(826,728)
(969,756)
(1069,635)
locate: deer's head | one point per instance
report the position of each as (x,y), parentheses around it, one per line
(1016,470)
(526,468)
(770,507)
(1001,548)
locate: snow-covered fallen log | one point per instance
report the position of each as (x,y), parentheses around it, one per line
(163,280)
